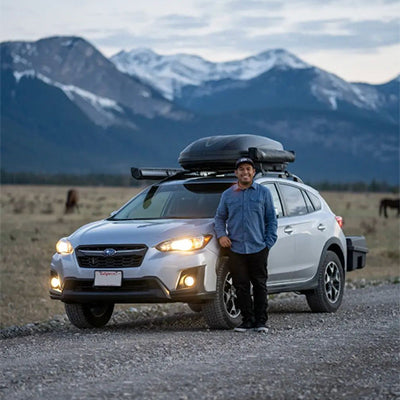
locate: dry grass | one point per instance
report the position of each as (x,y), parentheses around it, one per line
(32,220)
(361,217)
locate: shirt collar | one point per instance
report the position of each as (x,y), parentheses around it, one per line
(237,188)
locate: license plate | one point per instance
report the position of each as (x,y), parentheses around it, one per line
(107,278)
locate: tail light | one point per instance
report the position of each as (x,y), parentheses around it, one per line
(339,220)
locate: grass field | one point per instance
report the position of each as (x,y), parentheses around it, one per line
(32,220)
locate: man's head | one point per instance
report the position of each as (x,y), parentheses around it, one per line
(245,171)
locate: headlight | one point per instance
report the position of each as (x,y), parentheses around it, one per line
(185,243)
(64,246)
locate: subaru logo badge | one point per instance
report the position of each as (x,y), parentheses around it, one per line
(109,252)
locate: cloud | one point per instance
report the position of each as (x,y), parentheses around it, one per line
(176,21)
(240,5)
(259,21)
(306,37)
(345,34)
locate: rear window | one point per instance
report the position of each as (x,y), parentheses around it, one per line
(314,200)
(180,200)
(294,200)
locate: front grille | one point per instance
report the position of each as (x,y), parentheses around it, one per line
(122,256)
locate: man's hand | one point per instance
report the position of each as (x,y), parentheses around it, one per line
(224,241)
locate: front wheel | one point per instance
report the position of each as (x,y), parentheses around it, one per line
(89,315)
(222,312)
(328,296)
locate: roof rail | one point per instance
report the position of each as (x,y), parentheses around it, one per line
(279,174)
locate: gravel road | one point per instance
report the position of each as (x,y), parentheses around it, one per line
(352,354)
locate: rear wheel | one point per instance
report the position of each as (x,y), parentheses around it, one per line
(89,315)
(328,296)
(222,312)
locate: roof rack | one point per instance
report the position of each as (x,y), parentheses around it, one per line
(170,174)
(154,173)
(167,173)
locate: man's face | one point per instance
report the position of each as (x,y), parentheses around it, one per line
(245,173)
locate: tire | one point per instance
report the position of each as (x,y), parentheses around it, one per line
(222,312)
(196,307)
(328,296)
(85,316)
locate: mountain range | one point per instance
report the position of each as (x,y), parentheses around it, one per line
(67,108)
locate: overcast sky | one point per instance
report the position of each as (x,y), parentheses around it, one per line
(356,39)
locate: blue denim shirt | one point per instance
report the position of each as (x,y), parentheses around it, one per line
(248,218)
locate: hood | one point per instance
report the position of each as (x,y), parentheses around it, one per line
(149,232)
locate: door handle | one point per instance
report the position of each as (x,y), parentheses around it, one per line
(288,230)
(321,227)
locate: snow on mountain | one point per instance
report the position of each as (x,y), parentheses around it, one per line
(101,110)
(75,63)
(331,89)
(168,74)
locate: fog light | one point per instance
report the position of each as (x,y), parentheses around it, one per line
(189,281)
(55,282)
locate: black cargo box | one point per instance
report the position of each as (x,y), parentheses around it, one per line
(219,153)
(356,252)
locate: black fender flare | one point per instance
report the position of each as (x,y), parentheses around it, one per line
(334,244)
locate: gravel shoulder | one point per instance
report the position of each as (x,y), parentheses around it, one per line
(352,354)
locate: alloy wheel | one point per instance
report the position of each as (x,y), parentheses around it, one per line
(230,297)
(332,282)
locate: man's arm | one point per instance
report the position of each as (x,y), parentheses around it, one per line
(220,223)
(271,223)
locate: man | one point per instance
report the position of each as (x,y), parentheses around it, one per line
(245,223)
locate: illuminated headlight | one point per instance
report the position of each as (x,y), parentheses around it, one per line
(64,246)
(185,243)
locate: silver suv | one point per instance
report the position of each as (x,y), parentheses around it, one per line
(161,247)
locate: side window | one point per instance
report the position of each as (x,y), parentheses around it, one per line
(315,200)
(308,201)
(294,200)
(275,198)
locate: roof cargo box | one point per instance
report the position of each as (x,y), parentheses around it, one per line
(219,153)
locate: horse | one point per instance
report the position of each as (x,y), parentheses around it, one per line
(72,201)
(389,203)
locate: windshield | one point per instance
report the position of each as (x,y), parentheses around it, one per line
(189,200)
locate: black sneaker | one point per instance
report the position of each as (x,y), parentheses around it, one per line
(261,328)
(245,326)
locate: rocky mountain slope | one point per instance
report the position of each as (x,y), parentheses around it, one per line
(67,108)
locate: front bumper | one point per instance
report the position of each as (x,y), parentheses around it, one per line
(132,290)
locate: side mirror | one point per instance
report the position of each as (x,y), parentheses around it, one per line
(276,212)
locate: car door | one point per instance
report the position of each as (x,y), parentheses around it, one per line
(303,224)
(280,259)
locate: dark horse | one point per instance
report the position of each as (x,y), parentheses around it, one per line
(391,203)
(72,201)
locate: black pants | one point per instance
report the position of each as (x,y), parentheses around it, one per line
(246,269)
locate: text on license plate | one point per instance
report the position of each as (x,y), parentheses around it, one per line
(107,278)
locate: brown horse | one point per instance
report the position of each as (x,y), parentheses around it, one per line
(389,203)
(72,201)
